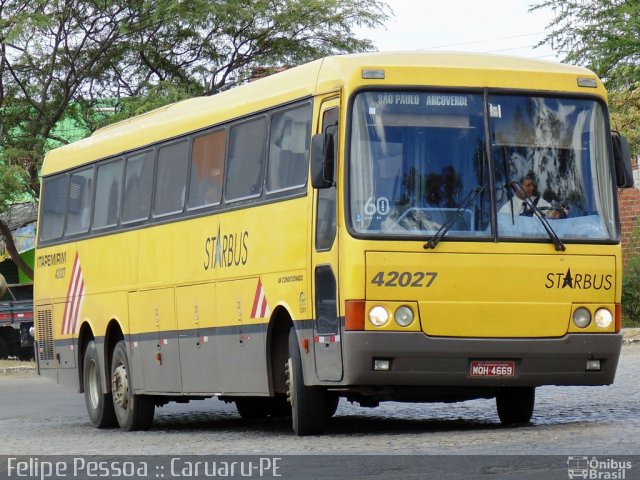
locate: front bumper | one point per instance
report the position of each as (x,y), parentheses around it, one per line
(421,361)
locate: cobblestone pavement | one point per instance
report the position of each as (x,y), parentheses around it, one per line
(38,417)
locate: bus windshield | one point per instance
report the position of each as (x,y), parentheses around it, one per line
(420,159)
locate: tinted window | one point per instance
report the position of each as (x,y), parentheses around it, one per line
(137,187)
(171,179)
(108,186)
(547,153)
(289,148)
(246,159)
(207,170)
(54,204)
(80,198)
(417,161)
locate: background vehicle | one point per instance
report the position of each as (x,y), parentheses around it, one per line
(336,230)
(16,289)
(16,320)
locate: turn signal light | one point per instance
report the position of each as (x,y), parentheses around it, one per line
(354,318)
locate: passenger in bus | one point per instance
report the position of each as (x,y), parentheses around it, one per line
(206,188)
(528,194)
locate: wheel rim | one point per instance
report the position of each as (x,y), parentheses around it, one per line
(291,388)
(120,387)
(93,384)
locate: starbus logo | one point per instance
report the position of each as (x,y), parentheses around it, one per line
(226,250)
(597,469)
(579,281)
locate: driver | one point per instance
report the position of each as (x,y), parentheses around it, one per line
(528,195)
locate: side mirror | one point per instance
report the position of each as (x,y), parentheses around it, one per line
(322,160)
(622,161)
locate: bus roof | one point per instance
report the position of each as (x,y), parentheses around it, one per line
(450,69)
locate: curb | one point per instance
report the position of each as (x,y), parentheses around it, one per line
(12,370)
(631,336)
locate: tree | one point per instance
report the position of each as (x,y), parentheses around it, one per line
(602,35)
(605,37)
(625,114)
(61,59)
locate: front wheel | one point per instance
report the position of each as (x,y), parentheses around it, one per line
(99,404)
(134,412)
(515,405)
(309,405)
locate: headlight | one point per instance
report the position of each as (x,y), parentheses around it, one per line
(603,318)
(403,316)
(378,316)
(581,317)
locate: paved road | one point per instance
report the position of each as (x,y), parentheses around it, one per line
(38,417)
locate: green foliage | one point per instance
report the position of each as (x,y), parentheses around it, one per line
(70,61)
(625,115)
(601,35)
(605,37)
(631,283)
(12,186)
(631,293)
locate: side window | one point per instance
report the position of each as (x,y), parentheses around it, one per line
(326,206)
(108,186)
(171,179)
(53,206)
(245,167)
(138,185)
(207,170)
(80,198)
(289,140)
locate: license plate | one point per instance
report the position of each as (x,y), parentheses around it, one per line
(492,368)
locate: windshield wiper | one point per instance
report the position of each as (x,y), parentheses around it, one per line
(446,226)
(520,192)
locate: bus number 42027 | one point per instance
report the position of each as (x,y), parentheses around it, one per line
(404,279)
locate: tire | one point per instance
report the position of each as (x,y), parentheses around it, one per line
(309,409)
(134,412)
(515,405)
(99,404)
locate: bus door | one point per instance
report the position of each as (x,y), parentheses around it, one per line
(327,328)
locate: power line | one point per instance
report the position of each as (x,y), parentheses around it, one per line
(475,42)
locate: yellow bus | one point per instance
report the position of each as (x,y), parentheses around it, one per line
(377,227)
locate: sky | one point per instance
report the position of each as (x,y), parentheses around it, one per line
(503,27)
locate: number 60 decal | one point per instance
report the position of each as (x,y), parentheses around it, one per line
(404,279)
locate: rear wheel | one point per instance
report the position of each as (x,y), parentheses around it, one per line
(99,404)
(309,405)
(134,412)
(515,405)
